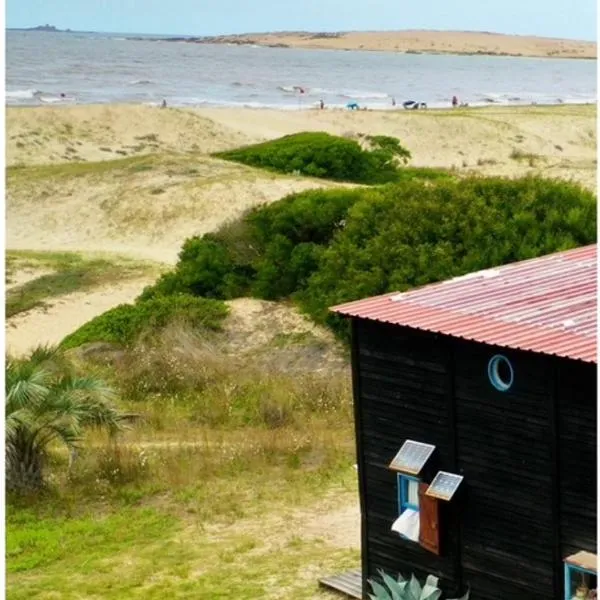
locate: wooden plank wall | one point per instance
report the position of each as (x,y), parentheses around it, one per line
(505,453)
(577,409)
(403,381)
(528,456)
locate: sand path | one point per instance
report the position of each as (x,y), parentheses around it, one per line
(66,314)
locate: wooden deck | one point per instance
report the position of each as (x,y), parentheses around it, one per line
(349,583)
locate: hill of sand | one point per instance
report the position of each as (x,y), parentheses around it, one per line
(421,42)
(158,185)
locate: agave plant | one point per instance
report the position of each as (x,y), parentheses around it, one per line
(404,589)
(46,402)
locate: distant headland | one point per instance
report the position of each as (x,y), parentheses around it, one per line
(46,27)
(408,42)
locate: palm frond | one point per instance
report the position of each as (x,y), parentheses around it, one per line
(47,402)
(25,386)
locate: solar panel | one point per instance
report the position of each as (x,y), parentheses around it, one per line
(411,458)
(444,485)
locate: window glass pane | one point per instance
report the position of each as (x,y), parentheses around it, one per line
(413,492)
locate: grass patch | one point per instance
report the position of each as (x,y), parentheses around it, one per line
(223,486)
(124,323)
(481,162)
(153,553)
(72,272)
(180,508)
(80,169)
(531,158)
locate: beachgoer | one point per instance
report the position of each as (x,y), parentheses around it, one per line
(393,101)
(322,104)
(164,104)
(62,95)
(454,101)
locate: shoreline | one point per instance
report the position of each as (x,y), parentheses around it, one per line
(312,107)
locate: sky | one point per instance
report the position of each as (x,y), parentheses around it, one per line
(547,18)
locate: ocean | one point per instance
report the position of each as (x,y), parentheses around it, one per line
(105,68)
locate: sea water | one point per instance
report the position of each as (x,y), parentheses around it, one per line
(105,68)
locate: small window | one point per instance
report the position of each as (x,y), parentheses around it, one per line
(408,522)
(500,373)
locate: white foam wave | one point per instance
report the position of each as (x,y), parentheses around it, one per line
(342,93)
(56,99)
(141,82)
(22,94)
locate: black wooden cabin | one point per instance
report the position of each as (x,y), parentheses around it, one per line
(497,372)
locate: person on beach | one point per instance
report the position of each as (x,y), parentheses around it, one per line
(321,104)
(393,101)
(454,101)
(163,104)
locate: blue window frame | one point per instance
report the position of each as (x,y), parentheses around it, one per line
(408,493)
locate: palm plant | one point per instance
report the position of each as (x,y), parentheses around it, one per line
(46,403)
(403,589)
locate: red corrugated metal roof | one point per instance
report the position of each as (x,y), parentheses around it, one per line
(546,305)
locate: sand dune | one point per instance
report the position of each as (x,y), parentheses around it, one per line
(139,212)
(41,135)
(146,202)
(146,206)
(423,42)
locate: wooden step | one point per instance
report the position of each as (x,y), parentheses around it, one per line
(349,583)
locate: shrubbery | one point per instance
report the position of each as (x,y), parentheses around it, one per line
(124,323)
(319,154)
(329,246)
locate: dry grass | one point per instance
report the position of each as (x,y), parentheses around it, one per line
(211,493)
(55,274)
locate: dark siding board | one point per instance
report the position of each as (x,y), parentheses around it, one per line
(487,586)
(359,435)
(391,425)
(432,389)
(504,444)
(403,396)
(415,559)
(383,377)
(577,410)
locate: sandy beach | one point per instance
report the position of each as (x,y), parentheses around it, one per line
(422,42)
(137,181)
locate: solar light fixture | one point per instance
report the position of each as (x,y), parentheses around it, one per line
(444,485)
(411,458)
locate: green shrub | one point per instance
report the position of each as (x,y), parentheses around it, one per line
(270,252)
(407,589)
(325,247)
(320,154)
(412,235)
(124,323)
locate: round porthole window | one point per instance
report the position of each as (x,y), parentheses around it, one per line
(500,372)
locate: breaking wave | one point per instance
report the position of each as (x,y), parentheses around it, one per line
(22,94)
